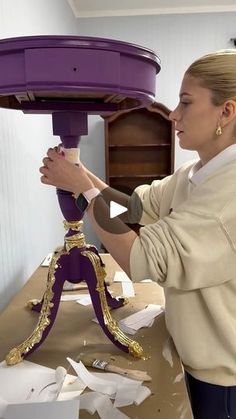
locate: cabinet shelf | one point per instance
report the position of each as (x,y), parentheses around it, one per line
(151,175)
(139,146)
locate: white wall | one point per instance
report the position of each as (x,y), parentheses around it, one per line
(30,221)
(177,39)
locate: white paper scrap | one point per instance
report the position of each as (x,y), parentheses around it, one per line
(128,289)
(69,286)
(37,383)
(87,401)
(101,403)
(106,410)
(143,318)
(32,378)
(142,392)
(84,300)
(121,276)
(93,382)
(71,297)
(123,390)
(53,410)
(3,405)
(146,280)
(47,260)
(127,392)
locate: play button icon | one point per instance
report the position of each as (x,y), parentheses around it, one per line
(116,209)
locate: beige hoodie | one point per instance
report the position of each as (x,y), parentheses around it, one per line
(188,246)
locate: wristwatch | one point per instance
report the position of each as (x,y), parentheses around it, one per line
(84,199)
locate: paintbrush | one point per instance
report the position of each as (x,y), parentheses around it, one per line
(89,361)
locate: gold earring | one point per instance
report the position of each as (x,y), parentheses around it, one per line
(219,131)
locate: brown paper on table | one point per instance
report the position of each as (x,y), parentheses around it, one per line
(74,332)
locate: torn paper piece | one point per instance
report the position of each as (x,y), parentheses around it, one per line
(91,381)
(146,280)
(121,276)
(84,300)
(140,392)
(72,388)
(178,378)
(3,405)
(71,297)
(47,260)
(87,401)
(32,378)
(126,392)
(53,410)
(106,410)
(166,352)
(68,286)
(101,403)
(128,289)
(142,395)
(37,383)
(143,318)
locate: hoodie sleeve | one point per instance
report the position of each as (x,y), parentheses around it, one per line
(151,197)
(185,250)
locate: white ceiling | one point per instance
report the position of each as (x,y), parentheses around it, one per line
(101,8)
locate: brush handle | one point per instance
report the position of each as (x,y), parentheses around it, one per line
(104,365)
(133,374)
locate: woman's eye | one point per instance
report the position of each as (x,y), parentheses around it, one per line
(185,103)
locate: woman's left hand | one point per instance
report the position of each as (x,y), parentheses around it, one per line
(59,172)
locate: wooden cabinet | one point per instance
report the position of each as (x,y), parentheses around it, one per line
(139,147)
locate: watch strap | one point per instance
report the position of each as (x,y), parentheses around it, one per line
(90,194)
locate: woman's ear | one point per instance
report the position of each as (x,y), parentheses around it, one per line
(228,112)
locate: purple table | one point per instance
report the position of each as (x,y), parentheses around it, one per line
(71,77)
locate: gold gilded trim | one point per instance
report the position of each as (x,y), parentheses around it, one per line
(31,303)
(17,354)
(73,225)
(134,348)
(77,240)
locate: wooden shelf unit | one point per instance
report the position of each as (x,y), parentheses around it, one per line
(139,147)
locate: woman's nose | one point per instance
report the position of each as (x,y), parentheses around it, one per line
(173,116)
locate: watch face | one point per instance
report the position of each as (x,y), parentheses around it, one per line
(81,202)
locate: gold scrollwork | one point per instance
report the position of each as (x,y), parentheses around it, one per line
(17,354)
(77,240)
(134,348)
(73,225)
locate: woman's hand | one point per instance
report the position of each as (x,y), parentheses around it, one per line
(59,172)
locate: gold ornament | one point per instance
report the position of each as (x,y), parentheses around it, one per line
(219,131)
(134,348)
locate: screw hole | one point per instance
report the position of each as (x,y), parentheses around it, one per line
(75,69)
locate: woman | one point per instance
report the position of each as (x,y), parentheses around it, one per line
(188,243)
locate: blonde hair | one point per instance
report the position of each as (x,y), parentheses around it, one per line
(217,72)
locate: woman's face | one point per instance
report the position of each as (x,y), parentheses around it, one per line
(196,118)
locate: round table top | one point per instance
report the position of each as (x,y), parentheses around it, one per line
(44,74)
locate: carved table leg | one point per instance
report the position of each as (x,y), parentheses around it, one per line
(75,264)
(94,275)
(49,308)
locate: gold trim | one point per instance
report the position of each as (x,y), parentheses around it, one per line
(31,303)
(134,348)
(17,354)
(73,225)
(77,240)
